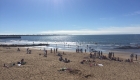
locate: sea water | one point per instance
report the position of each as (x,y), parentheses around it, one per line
(72,42)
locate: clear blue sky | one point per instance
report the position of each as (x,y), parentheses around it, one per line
(69,16)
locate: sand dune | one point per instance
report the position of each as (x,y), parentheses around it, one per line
(38,67)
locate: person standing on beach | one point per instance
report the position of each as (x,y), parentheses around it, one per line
(131,56)
(113,54)
(51,50)
(27,50)
(101,53)
(45,53)
(136,57)
(94,56)
(54,50)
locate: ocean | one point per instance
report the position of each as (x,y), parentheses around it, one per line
(71,42)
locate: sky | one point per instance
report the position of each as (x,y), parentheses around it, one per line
(76,17)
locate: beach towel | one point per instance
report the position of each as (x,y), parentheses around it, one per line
(100,64)
(19,64)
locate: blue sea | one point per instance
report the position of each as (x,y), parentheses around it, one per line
(71,42)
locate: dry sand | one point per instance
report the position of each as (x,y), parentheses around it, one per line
(47,68)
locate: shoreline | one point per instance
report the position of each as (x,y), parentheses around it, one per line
(121,54)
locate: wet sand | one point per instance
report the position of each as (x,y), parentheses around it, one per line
(38,67)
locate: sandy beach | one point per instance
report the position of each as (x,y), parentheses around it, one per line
(38,67)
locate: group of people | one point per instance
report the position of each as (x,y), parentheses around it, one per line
(100,55)
(97,54)
(110,55)
(28,51)
(132,57)
(22,62)
(55,50)
(61,58)
(79,50)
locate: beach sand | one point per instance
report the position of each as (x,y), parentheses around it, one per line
(38,67)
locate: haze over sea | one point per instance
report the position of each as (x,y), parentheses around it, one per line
(71,42)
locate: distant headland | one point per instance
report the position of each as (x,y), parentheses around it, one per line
(19,36)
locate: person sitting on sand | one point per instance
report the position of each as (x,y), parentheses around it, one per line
(65,60)
(68,61)
(22,62)
(128,60)
(29,52)
(60,59)
(18,49)
(82,62)
(59,54)
(18,62)
(104,57)
(89,60)
(39,54)
(4,65)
